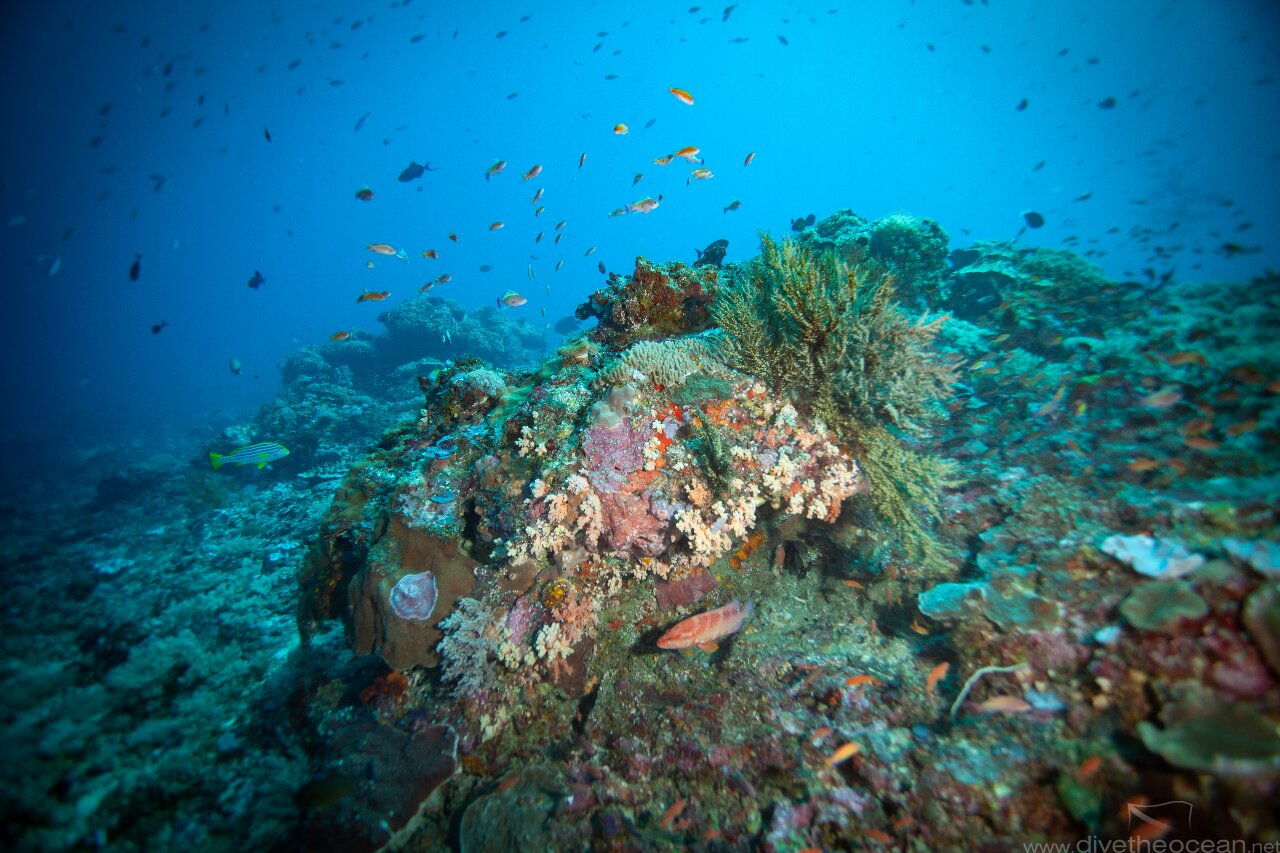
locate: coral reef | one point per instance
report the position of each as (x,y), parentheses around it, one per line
(653,303)
(568,514)
(828,336)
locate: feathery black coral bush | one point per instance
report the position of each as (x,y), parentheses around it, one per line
(829,335)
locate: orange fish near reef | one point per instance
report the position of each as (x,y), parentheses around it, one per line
(1176,359)
(843,754)
(340,336)
(936,674)
(1161,399)
(373,296)
(705,628)
(681,95)
(381,248)
(1088,767)
(1004,705)
(856,680)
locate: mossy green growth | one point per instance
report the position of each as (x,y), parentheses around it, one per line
(1162,605)
(1081,802)
(1234,741)
(829,335)
(714,457)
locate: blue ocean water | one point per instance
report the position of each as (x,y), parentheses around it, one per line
(139,130)
(159,160)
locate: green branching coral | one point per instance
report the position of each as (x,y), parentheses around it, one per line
(829,335)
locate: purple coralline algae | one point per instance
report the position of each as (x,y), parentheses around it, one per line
(414,596)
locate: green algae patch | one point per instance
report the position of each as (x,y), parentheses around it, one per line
(1163,606)
(1236,741)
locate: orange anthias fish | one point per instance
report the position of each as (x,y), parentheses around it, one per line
(703,174)
(430,253)
(690,153)
(536,196)
(1161,399)
(857,680)
(704,629)
(533,172)
(373,296)
(621,129)
(843,754)
(443,279)
(1176,359)
(1088,767)
(681,95)
(662,161)
(1004,705)
(381,248)
(495,169)
(340,336)
(1242,427)
(496,226)
(364,194)
(453,237)
(936,674)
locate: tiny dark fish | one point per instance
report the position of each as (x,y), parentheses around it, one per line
(566,325)
(324,791)
(292,65)
(597,47)
(525,18)
(157,327)
(1084,197)
(985,48)
(417,38)
(360,121)
(1022,105)
(650,123)
(512,96)
(412,172)
(728,10)
(257,280)
(611,76)
(501,34)
(1107,103)
(931,48)
(485,268)
(601,267)
(1033,219)
(136,269)
(783,39)
(738,40)
(1038,166)
(266,133)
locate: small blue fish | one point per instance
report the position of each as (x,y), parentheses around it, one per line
(443,498)
(253,454)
